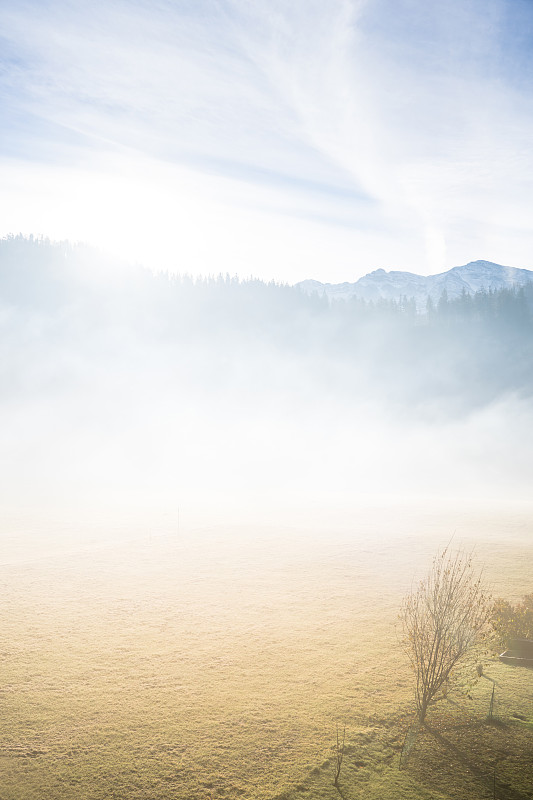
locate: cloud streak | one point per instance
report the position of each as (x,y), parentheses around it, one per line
(397,132)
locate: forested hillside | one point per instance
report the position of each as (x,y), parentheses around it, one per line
(60,299)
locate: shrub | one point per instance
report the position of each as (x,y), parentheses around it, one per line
(512,621)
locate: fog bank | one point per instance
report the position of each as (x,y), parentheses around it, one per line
(142,396)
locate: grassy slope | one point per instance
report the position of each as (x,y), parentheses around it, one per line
(213,665)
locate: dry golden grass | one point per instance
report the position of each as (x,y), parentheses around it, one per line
(216,663)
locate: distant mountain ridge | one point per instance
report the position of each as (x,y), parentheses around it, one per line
(394,285)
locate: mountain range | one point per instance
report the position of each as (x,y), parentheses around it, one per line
(393,285)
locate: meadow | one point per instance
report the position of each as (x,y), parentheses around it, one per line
(202,661)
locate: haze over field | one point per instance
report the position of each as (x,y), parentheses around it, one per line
(259,362)
(151,393)
(215,494)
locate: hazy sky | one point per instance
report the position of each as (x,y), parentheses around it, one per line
(280,138)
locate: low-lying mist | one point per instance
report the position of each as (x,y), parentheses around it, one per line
(130,393)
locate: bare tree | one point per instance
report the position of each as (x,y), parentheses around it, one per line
(443,620)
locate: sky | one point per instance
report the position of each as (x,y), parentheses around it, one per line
(284,139)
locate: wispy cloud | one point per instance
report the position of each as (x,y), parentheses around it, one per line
(397,133)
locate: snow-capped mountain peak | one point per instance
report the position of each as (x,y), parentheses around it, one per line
(394,285)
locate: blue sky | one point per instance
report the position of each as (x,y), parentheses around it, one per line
(281,139)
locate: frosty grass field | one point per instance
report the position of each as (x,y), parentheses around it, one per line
(215,661)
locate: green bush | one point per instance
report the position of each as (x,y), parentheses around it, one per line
(512,621)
